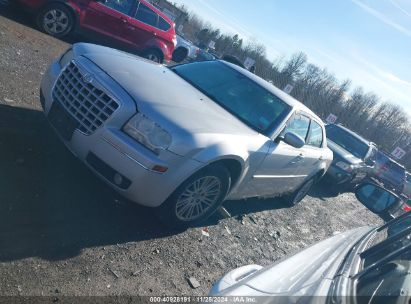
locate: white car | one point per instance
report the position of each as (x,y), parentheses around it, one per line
(182,139)
(184,49)
(364,265)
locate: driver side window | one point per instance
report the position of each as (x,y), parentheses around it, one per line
(299,125)
(122,6)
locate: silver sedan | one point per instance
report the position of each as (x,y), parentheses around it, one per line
(182,139)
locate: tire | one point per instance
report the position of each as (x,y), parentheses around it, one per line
(56,19)
(180,54)
(182,208)
(154,55)
(296,197)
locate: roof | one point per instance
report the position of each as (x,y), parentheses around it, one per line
(291,101)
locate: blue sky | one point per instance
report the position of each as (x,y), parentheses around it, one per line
(367,41)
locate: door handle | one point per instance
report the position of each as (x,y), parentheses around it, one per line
(123,19)
(298,159)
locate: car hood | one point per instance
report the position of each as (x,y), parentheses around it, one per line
(165,97)
(340,154)
(308,273)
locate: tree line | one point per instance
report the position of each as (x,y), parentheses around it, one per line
(382,122)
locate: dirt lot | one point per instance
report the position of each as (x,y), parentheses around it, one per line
(63,232)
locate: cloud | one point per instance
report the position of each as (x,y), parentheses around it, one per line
(383,18)
(395,78)
(231,23)
(400,8)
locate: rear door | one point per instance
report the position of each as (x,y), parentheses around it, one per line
(110,18)
(144,23)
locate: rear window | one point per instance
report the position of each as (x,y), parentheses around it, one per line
(347,141)
(396,168)
(163,24)
(146,15)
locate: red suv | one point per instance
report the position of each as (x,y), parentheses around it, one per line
(135,24)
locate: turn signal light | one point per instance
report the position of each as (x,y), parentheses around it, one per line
(160,169)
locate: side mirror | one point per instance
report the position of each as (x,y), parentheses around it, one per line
(293,140)
(376,198)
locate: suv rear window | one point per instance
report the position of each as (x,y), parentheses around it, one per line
(396,168)
(146,15)
(163,24)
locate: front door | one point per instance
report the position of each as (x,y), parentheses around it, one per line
(283,168)
(110,18)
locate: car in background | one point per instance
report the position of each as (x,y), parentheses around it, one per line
(389,172)
(407,186)
(364,265)
(233,59)
(202,54)
(135,25)
(185,49)
(381,201)
(353,156)
(199,134)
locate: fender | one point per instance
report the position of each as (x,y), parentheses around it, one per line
(155,43)
(224,152)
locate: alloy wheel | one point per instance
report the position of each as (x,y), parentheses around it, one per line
(198,197)
(55,21)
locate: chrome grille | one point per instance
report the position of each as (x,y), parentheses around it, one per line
(89,105)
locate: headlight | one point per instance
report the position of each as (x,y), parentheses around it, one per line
(346,167)
(66,58)
(148,133)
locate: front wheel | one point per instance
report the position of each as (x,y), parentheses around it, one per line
(56,20)
(296,197)
(197,198)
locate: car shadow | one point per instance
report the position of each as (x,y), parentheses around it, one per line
(19,15)
(323,191)
(52,206)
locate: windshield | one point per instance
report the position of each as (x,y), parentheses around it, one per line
(350,143)
(235,92)
(386,263)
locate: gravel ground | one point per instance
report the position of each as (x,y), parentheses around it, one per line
(63,232)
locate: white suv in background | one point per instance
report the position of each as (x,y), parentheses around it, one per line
(182,139)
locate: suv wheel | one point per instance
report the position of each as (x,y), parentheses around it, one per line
(296,197)
(56,20)
(197,198)
(153,55)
